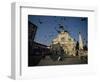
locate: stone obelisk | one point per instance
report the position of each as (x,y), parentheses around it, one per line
(80,42)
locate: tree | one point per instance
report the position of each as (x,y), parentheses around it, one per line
(85,47)
(77,46)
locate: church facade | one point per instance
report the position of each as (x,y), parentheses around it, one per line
(67,42)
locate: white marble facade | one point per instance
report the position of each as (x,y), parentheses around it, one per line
(66,42)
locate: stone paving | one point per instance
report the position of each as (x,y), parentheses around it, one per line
(67,61)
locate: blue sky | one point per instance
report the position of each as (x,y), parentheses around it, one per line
(47,26)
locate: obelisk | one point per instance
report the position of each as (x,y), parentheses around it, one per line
(80,42)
